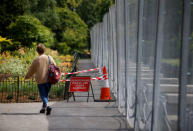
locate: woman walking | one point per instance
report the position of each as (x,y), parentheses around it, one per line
(39,68)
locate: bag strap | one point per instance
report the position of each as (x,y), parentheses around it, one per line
(49,60)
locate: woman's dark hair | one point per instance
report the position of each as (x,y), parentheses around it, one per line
(41,49)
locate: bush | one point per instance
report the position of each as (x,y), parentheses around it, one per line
(9,97)
(13,66)
(72,33)
(18,62)
(32,97)
(8,44)
(63,47)
(28,29)
(27,55)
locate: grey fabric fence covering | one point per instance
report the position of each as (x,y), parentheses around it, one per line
(146,46)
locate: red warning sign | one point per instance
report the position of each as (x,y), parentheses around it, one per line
(79,84)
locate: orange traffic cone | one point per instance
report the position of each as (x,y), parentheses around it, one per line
(105,95)
(105,91)
(104,70)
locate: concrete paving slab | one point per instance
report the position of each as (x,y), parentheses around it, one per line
(86,117)
(72,116)
(22,117)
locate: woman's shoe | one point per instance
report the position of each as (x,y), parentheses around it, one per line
(42,110)
(48,110)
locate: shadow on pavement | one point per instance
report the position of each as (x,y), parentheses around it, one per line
(86,117)
(20,114)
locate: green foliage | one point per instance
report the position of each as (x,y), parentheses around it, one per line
(9,97)
(102,7)
(95,9)
(26,55)
(31,21)
(45,11)
(63,47)
(73,32)
(28,90)
(13,66)
(91,17)
(57,90)
(10,9)
(8,45)
(32,97)
(28,29)
(18,62)
(92,11)
(71,4)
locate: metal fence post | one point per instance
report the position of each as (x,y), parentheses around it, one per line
(138,60)
(184,65)
(157,65)
(17,89)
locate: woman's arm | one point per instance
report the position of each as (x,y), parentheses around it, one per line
(32,69)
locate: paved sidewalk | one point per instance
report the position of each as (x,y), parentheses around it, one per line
(71,116)
(22,117)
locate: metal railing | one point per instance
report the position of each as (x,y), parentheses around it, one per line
(17,89)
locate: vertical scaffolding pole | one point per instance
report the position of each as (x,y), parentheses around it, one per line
(138,62)
(157,65)
(184,65)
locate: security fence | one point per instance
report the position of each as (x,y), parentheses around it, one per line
(146,46)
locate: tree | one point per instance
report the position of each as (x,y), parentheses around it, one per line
(42,17)
(72,31)
(10,9)
(71,4)
(28,29)
(45,11)
(92,11)
(95,9)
